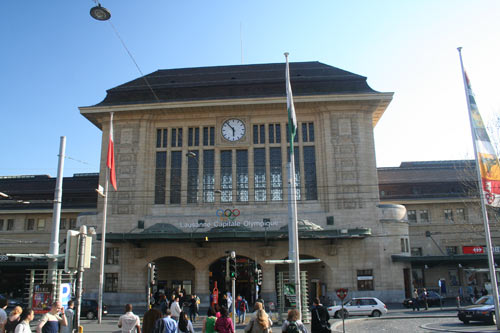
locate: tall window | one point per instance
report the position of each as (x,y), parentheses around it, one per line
(160,177)
(208,176)
(63,224)
(424,215)
(274,133)
(1,224)
(461,214)
(10,224)
(176,140)
(30,224)
(175,177)
(310,173)
(448,215)
(193,136)
(40,224)
(242,175)
(111,282)
(112,255)
(72,223)
(412,216)
(259,162)
(307,132)
(259,134)
(192,195)
(276,174)
(226,175)
(208,136)
(161,138)
(365,279)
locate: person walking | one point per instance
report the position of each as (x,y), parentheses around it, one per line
(24,326)
(13,320)
(149,320)
(415,301)
(185,325)
(209,322)
(224,324)
(293,324)
(424,297)
(129,322)
(242,307)
(261,323)
(70,315)
(3,315)
(49,323)
(319,318)
(192,308)
(175,309)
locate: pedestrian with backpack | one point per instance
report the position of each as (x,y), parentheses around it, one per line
(242,308)
(293,324)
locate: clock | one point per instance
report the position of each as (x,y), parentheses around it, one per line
(233,130)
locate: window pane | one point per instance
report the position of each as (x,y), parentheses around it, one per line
(212,135)
(310,173)
(173,142)
(424,215)
(10,224)
(271,133)
(242,175)
(311,132)
(304,132)
(192,195)
(255,134)
(226,175)
(160,177)
(190,136)
(175,177)
(412,216)
(197,136)
(179,137)
(262,134)
(278,133)
(205,136)
(1,225)
(208,176)
(158,138)
(165,137)
(259,161)
(276,174)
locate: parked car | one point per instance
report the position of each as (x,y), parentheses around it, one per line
(432,300)
(89,309)
(361,306)
(482,310)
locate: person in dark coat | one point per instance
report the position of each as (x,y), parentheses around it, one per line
(319,318)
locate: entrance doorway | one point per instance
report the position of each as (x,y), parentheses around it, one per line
(246,277)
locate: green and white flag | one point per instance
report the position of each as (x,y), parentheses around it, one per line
(292,118)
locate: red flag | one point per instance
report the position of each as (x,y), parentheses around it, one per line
(110,163)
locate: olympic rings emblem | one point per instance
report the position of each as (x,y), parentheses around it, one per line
(227,214)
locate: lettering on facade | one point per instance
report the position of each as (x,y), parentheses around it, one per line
(229,224)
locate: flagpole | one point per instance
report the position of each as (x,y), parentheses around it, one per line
(487,234)
(293,235)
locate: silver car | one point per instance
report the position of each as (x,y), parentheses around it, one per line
(361,306)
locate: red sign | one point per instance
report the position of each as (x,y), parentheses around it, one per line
(473,250)
(342,293)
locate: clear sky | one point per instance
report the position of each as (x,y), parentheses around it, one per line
(55,58)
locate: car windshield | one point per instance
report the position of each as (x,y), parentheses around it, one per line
(485,300)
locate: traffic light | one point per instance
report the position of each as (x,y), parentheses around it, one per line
(232,266)
(153,273)
(259,277)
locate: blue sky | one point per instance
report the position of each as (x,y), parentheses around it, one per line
(55,58)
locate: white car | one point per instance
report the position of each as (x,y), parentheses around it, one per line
(361,306)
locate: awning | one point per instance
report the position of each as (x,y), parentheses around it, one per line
(451,259)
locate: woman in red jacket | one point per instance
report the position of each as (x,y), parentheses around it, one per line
(224,324)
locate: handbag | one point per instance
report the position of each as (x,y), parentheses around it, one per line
(325,326)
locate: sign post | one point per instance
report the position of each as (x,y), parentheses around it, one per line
(342,293)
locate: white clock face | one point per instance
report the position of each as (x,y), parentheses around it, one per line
(233,129)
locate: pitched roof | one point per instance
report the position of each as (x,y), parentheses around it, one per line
(232,82)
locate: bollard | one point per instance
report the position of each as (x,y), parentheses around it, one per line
(80,329)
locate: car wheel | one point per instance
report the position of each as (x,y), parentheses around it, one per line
(493,319)
(90,315)
(376,313)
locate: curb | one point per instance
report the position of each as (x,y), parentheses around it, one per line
(454,330)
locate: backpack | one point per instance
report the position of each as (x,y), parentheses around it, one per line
(292,327)
(243,306)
